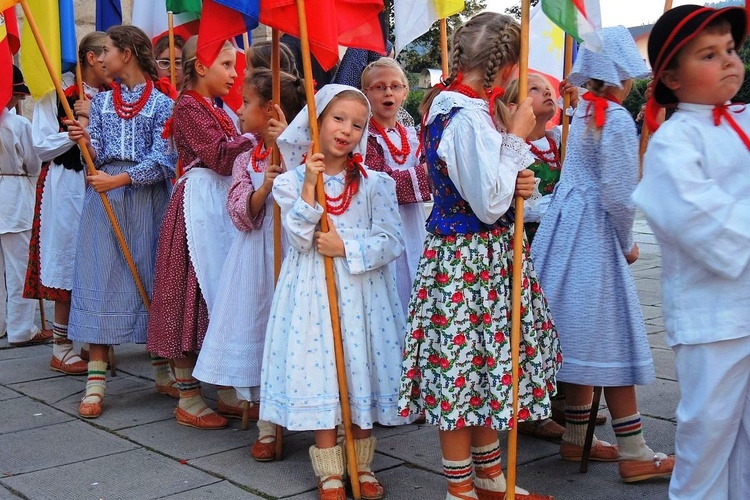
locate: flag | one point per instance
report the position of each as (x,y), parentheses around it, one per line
(413,18)
(234,98)
(7,4)
(34,70)
(6,64)
(108,13)
(581,19)
(180,6)
(11,27)
(151,17)
(221,20)
(546,48)
(68,42)
(351,23)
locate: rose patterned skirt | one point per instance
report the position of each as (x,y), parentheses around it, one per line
(456,364)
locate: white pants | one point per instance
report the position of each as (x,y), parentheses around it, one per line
(14,257)
(713,422)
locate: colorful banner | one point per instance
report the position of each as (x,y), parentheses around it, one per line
(581,19)
(413,18)
(151,17)
(47,16)
(222,20)
(108,13)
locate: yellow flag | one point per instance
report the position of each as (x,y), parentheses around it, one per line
(446,8)
(47,16)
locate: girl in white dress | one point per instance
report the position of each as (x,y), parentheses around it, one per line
(299,388)
(233,348)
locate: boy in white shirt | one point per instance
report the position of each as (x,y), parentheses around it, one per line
(695,193)
(19,166)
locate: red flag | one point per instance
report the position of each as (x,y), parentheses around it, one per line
(6,65)
(11,25)
(234,98)
(351,23)
(219,23)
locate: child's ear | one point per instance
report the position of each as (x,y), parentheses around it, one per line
(200,68)
(268,108)
(670,80)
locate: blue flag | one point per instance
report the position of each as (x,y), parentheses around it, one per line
(108,13)
(68,44)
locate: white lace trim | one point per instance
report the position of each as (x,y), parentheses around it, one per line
(518,147)
(447,100)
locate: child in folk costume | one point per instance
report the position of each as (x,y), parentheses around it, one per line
(392,148)
(197,232)
(456,363)
(695,193)
(299,388)
(19,166)
(124,138)
(60,192)
(233,348)
(582,250)
(545,146)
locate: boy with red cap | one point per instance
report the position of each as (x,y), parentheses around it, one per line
(19,166)
(695,193)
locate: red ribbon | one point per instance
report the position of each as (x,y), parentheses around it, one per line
(357,159)
(164,86)
(723,112)
(168,129)
(600,105)
(494,93)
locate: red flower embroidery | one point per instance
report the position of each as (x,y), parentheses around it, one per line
(434,359)
(538,393)
(490,362)
(469,277)
(442,278)
(475,401)
(445,406)
(458,254)
(422,293)
(429,253)
(503,272)
(457,297)
(430,401)
(412,373)
(404,412)
(417,334)
(484,275)
(487,318)
(439,320)
(450,238)
(523,414)
(473,318)
(499,337)
(444,364)
(459,339)
(477,361)
(460,423)
(535,288)
(492,294)
(460,382)
(415,391)
(495,404)
(507,379)
(530,351)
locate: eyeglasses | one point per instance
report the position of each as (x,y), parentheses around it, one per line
(165,63)
(382,88)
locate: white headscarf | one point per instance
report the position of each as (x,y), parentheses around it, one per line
(619,60)
(295,140)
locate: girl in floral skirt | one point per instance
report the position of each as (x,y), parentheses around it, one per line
(456,363)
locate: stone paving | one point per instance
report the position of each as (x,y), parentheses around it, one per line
(136,450)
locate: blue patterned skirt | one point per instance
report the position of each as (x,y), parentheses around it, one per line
(106,307)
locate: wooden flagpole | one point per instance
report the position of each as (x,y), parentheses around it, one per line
(515,331)
(333,304)
(444,47)
(85,152)
(644,127)
(172,75)
(567,65)
(276,160)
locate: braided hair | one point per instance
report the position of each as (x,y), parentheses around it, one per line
(292,90)
(489,42)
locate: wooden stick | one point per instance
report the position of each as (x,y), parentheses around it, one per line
(275,160)
(333,304)
(245,42)
(644,128)
(85,152)
(42,314)
(515,330)
(589,441)
(444,47)
(567,65)
(172,75)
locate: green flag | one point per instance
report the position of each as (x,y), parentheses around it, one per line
(180,6)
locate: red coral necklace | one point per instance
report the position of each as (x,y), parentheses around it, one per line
(128,110)
(258,156)
(398,155)
(551,156)
(344,200)
(224,121)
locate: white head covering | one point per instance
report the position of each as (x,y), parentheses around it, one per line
(295,140)
(619,60)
